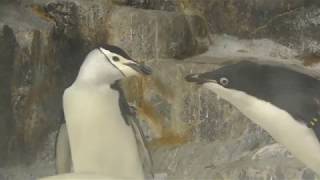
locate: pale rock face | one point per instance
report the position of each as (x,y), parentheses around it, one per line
(46,59)
(79,176)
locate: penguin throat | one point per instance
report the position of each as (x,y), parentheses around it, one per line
(96,70)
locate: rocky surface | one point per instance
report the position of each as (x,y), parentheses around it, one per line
(149,34)
(42,45)
(293,23)
(204,137)
(192,134)
(7,43)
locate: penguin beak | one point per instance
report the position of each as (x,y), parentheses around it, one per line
(140,67)
(198,79)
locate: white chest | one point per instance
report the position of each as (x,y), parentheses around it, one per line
(101,141)
(297,137)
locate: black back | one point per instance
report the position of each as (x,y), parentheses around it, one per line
(292,91)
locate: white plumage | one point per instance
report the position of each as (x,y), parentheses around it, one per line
(297,137)
(102,144)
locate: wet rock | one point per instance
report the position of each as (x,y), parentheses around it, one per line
(149,34)
(192,134)
(36,80)
(43,44)
(7,47)
(293,23)
(297,29)
(166,5)
(240,18)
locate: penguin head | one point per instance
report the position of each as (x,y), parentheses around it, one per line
(271,83)
(123,62)
(107,64)
(238,76)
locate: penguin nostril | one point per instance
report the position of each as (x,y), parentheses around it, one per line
(192,77)
(115,58)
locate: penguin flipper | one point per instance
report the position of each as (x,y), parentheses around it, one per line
(316,127)
(314,124)
(144,152)
(317,132)
(128,113)
(63,151)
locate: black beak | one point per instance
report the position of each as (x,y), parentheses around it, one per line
(141,68)
(197,78)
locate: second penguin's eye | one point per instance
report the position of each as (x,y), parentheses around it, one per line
(115,58)
(224,81)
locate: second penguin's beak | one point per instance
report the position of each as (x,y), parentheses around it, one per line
(198,79)
(140,67)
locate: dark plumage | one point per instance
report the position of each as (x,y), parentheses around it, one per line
(116,50)
(292,91)
(125,109)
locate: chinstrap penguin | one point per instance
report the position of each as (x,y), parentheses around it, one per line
(282,101)
(101,139)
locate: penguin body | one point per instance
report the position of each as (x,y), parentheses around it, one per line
(101,141)
(104,141)
(281,101)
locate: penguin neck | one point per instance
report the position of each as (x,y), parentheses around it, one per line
(94,78)
(97,71)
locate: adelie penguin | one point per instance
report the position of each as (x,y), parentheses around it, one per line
(102,138)
(284,102)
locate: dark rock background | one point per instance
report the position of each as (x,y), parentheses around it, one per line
(192,134)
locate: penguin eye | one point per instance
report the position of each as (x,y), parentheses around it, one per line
(224,81)
(115,58)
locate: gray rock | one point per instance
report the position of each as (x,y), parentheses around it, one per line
(192,134)
(294,23)
(166,5)
(203,137)
(149,34)
(43,44)
(7,46)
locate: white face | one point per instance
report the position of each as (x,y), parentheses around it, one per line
(121,63)
(102,67)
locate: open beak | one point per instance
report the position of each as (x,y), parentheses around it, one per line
(198,79)
(140,67)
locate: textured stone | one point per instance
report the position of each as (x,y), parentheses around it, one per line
(43,44)
(293,23)
(7,46)
(203,137)
(298,29)
(192,134)
(166,5)
(36,80)
(149,34)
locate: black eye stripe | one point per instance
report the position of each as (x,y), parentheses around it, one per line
(116,50)
(111,62)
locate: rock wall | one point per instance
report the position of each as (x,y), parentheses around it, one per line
(201,136)
(293,23)
(43,44)
(191,133)
(7,44)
